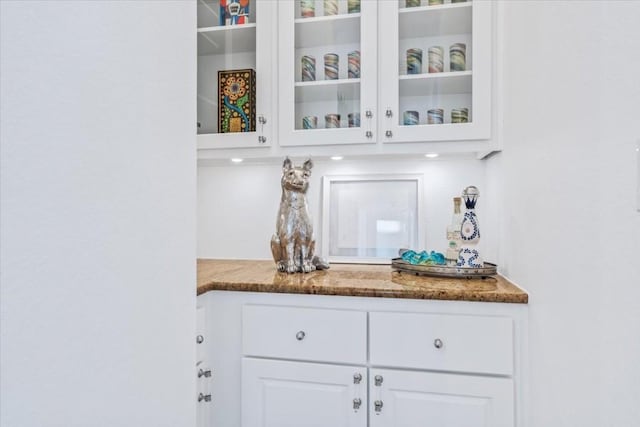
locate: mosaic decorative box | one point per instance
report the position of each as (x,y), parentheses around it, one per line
(236,101)
(234,12)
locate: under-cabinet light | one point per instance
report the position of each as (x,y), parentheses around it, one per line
(237,160)
(431,155)
(337,157)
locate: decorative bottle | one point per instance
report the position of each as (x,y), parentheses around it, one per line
(469,256)
(453,233)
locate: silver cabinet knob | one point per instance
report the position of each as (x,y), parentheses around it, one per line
(388,113)
(437,343)
(368,114)
(357,377)
(262,120)
(205,397)
(369,134)
(377,380)
(203,373)
(199,339)
(300,335)
(377,405)
(356,403)
(388,134)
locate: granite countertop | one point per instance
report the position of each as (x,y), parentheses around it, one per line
(351,280)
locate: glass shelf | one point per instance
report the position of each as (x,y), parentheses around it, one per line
(429,21)
(327,30)
(328,90)
(222,40)
(427,84)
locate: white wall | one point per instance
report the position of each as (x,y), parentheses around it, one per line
(238,203)
(571,233)
(97,214)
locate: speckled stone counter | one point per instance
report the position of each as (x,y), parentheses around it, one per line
(351,280)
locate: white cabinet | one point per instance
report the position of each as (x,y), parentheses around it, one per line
(479,346)
(291,394)
(291,360)
(396,102)
(417,399)
(235,47)
(356,90)
(335,93)
(403,28)
(287,393)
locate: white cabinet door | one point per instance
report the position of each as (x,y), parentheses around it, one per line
(291,394)
(334,100)
(419,88)
(234,47)
(418,399)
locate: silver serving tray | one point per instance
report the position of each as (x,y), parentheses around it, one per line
(403,266)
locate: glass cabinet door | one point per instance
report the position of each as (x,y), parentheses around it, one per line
(436,85)
(327,72)
(234,72)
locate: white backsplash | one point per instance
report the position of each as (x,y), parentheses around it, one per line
(238,203)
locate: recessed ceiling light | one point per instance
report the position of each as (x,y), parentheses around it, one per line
(237,160)
(337,157)
(431,155)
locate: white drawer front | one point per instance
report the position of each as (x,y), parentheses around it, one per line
(304,333)
(456,343)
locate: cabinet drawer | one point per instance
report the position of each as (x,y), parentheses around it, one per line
(456,343)
(304,333)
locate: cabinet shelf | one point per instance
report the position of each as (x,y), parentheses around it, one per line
(328,90)
(225,39)
(430,21)
(457,82)
(327,30)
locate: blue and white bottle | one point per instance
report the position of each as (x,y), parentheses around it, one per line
(469,256)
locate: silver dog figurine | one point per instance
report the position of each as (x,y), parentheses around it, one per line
(293,244)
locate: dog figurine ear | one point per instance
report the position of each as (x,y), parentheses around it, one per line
(286,165)
(307,165)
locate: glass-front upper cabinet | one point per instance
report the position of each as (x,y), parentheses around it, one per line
(436,83)
(327,72)
(235,39)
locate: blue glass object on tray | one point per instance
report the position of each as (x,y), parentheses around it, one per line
(418,258)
